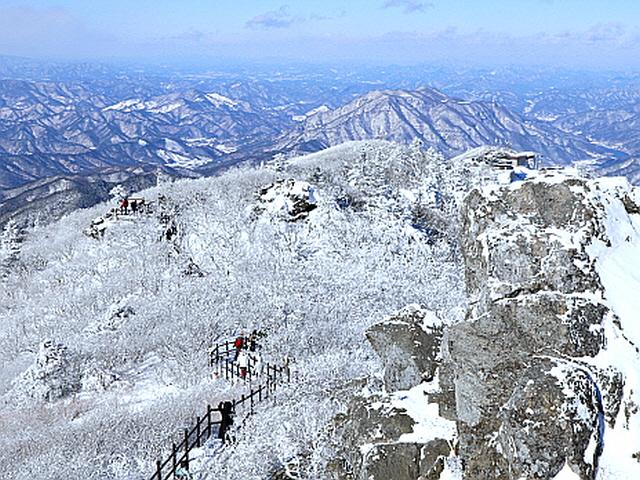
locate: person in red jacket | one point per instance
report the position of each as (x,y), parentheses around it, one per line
(239,344)
(124,205)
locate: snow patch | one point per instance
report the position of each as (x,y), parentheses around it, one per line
(173,159)
(429,425)
(220,100)
(566,474)
(311,113)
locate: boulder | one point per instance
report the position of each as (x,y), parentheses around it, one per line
(400,461)
(408,342)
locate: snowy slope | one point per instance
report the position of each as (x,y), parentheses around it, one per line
(136,326)
(618,265)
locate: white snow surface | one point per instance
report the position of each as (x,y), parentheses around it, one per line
(219,100)
(310,113)
(618,266)
(174,159)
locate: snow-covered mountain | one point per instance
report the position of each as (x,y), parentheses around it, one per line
(450,125)
(51,129)
(442,322)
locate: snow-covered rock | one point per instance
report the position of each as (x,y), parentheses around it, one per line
(409,344)
(52,375)
(536,382)
(290,199)
(399,436)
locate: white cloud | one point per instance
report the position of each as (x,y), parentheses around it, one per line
(281,18)
(408,6)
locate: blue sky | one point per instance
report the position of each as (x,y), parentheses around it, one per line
(596,33)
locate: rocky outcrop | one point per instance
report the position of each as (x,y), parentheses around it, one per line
(291,199)
(408,343)
(541,371)
(377,437)
(377,441)
(526,403)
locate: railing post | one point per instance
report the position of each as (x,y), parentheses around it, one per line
(198,420)
(208,421)
(159,469)
(251,400)
(260,394)
(174,457)
(186,447)
(288,374)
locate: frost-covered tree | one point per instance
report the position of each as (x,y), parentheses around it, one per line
(118,193)
(11,238)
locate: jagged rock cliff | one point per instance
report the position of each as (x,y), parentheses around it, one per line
(541,376)
(534,384)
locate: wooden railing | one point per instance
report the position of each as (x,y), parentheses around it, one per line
(193,438)
(270,377)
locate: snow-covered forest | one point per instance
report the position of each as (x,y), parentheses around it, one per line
(311,251)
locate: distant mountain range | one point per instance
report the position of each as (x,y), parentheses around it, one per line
(87,120)
(448,124)
(54,129)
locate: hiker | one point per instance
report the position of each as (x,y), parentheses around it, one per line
(183,471)
(253,338)
(243,363)
(134,207)
(255,363)
(124,206)
(226,413)
(239,345)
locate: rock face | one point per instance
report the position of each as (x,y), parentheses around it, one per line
(409,345)
(377,442)
(525,404)
(377,437)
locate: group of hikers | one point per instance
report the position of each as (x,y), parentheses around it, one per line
(246,355)
(134,205)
